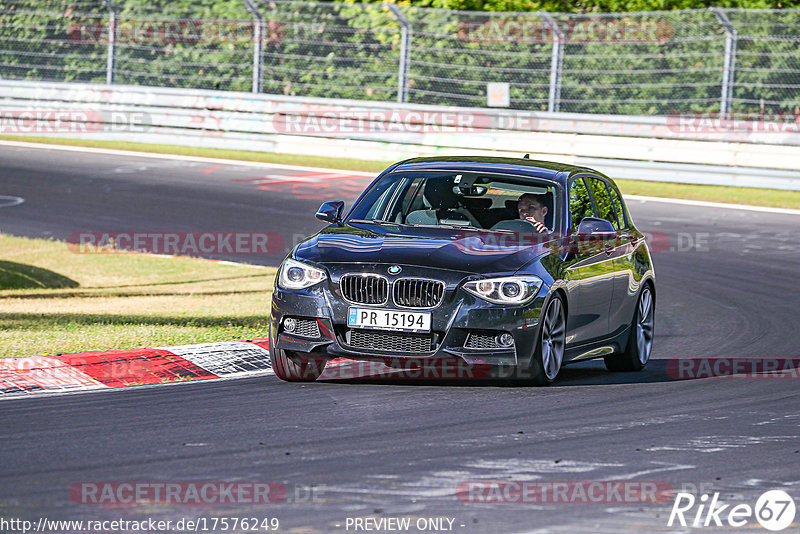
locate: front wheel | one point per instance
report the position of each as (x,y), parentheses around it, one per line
(293,368)
(549,353)
(640,340)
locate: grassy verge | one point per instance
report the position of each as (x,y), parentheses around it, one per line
(713,193)
(733,195)
(56,301)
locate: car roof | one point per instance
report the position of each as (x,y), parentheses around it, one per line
(557,172)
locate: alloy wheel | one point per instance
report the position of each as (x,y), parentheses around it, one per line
(553,338)
(644,325)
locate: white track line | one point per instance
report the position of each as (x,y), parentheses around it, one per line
(179,157)
(705,204)
(261,164)
(8,201)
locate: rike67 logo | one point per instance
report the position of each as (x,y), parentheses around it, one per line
(774,510)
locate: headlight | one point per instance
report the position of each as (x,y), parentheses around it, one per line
(296,275)
(506,290)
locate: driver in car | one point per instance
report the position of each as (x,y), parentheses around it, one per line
(533,208)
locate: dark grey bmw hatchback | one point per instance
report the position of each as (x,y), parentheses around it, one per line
(492,263)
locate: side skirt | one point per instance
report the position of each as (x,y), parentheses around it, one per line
(597,349)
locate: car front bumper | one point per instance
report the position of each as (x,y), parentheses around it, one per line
(459,316)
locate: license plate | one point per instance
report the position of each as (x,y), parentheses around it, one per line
(404,321)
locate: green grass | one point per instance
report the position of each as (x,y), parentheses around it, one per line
(56,301)
(713,193)
(732,195)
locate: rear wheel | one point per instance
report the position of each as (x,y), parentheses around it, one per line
(640,340)
(549,353)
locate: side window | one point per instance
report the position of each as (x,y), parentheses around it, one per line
(619,206)
(379,208)
(388,204)
(602,201)
(580,205)
(409,195)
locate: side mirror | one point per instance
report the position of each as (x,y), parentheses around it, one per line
(331,211)
(593,225)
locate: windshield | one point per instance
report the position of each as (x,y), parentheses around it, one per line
(496,202)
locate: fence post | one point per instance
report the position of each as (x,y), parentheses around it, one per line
(258,44)
(556,63)
(405,53)
(111,59)
(729,66)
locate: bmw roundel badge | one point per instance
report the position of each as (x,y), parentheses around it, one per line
(395,269)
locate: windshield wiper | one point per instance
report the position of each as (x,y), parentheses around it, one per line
(381,221)
(374,221)
(468,226)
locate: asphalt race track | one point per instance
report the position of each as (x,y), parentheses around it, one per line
(727,287)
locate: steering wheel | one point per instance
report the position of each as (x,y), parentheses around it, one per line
(516,225)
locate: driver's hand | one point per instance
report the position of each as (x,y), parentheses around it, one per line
(539,226)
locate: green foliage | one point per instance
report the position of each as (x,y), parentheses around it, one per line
(585,6)
(353,50)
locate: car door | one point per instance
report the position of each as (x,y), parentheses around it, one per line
(589,270)
(625,282)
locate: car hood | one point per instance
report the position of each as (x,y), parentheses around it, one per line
(466,250)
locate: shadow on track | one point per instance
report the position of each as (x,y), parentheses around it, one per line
(21,276)
(591,373)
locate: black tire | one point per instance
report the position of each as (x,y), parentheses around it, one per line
(294,366)
(550,346)
(640,340)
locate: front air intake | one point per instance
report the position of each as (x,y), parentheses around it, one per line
(364,288)
(418,292)
(400,342)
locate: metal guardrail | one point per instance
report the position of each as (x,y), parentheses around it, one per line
(676,149)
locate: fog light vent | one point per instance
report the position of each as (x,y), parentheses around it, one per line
(489,340)
(505,339)
(481,340)
(301,327)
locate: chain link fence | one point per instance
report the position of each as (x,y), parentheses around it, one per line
(644,63)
